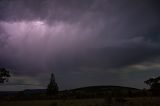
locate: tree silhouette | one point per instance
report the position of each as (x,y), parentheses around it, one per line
(154,84)
(150,82)
(52,88)
(4,75)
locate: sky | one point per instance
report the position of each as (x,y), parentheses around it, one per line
(83,42)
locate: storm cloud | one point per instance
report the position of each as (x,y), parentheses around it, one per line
(88,41)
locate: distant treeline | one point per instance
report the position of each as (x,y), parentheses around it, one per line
(81,93)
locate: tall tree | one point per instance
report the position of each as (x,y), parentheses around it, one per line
(4,75)
(52,88)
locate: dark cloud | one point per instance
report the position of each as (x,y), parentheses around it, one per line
(40,9)
(72,37)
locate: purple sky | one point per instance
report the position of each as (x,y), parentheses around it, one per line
(83,42)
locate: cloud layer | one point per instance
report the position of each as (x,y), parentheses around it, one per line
(76,39)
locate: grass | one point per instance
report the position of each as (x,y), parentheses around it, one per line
(76,102)
(141,101)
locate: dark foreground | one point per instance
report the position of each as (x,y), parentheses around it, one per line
(138,101)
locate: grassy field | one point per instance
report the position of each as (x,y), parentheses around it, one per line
(141,101)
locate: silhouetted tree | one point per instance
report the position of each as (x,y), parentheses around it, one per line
(52,88)
(154,84)
(150,82)
(4,75)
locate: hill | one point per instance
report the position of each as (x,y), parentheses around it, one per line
(104,88)
(100,92)
(83,92)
